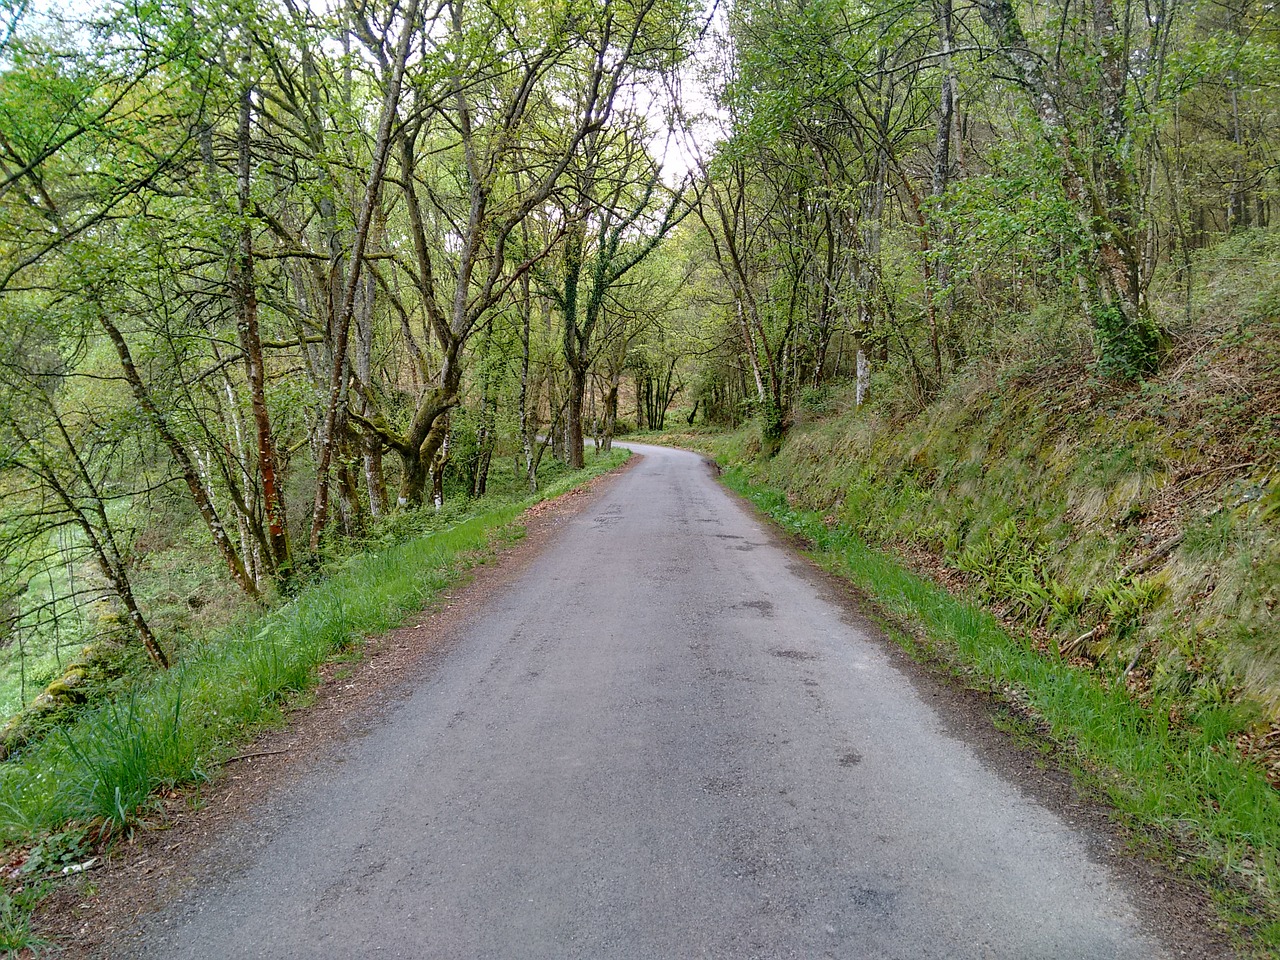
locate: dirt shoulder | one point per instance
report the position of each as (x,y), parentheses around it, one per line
(166,850)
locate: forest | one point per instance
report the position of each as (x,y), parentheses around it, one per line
(302,302)
(276,278)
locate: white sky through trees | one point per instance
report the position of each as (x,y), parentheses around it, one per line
(684,121)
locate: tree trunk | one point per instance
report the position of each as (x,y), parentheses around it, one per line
(374,478)
(370,444)
(102,542)
(245,297)
(204,503)
(429,429)
(573,429)
(364,220)
(439,460)
(667,394)
(1114,289)
(610,413)
(352,516)
(557,433)
(863,389)
(527,421)
(486,436)
(419,454)
(414,475)
(942,165)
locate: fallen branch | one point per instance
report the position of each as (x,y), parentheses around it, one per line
(1154,557)
(1072,646)
(1132,663)
(1209,473)
(254,756)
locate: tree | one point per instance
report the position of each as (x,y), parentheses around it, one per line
(1093,136)
(494,117)
(612,227)
(70,444)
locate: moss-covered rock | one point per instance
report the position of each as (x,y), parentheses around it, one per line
(96,673)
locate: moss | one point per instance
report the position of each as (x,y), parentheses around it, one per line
(100,671)
(68,688)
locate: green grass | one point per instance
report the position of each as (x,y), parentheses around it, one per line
(46,645)
(176,728)
(16,935)
(1182,783)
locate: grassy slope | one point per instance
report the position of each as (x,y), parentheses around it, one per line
(1058,513)
(1181,785)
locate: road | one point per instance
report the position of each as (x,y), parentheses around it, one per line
(664,741)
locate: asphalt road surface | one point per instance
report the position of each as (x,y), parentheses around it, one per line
(661,742)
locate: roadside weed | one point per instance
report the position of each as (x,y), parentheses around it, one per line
(16,935)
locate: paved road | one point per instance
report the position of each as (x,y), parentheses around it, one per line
(660,743)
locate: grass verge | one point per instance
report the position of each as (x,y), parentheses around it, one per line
(1182,785)
(104,771)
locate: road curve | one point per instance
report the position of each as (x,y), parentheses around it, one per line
(661,742)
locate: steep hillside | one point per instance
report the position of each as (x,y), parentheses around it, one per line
(1131,528)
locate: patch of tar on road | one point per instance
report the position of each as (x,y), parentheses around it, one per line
(794,655)
(721,785)
(723,674)
(874,900)
(607,517)
(746,547)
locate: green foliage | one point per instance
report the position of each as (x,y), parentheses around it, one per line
(772,425)
(16,909)
(817,400)
(56,852)
(101,671)
(1122,603)
(1128,347)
